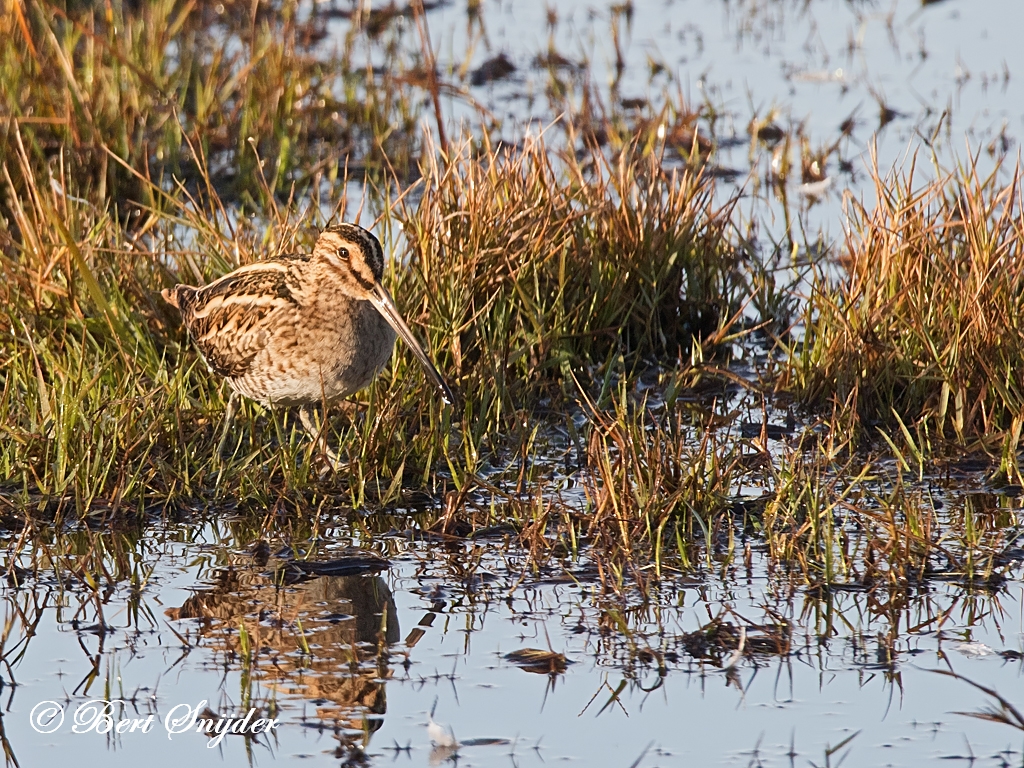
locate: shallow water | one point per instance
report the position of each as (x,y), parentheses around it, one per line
(947,75)
(432,630)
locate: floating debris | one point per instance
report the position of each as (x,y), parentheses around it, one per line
(351,565)
(498,68)
(818,75)
(539,661)
(770,133)
(975,650)
(815,188)
(441,735)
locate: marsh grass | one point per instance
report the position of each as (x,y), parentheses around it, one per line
(921,334)
(143,146)
(546,261)
(520,268)
(661,486)
(675,489)
(92,83)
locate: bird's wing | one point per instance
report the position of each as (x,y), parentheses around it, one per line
(233,318)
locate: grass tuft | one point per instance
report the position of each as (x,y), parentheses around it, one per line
(924,328)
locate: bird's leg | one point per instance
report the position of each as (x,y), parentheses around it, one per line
(315,434)
(229,418)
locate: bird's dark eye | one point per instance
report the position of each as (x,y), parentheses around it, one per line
(343,253)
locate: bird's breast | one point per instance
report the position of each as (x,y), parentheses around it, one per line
(330,351)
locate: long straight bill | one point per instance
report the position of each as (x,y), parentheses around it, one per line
(381,299)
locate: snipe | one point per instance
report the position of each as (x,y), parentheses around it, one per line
(302,328)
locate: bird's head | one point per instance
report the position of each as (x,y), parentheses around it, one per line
(353,255)
(356,258)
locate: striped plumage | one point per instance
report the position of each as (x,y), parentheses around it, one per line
(300,329)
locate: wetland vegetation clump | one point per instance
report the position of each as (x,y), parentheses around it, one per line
(546,264)
(922,328)
(108,87)
(526,271)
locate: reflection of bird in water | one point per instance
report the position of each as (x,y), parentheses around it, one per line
(303,328)
(332,616)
